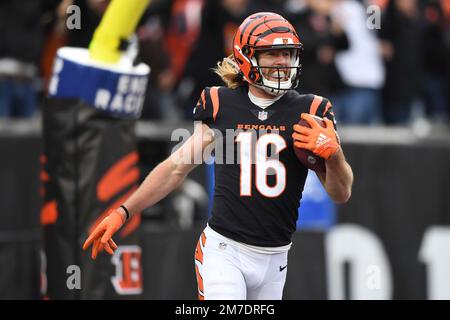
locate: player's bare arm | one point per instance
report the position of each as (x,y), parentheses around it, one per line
(338,178)
(170,173)
(162,180)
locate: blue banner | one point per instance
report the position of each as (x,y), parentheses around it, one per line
(116,90)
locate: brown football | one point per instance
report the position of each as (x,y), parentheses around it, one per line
(306,157)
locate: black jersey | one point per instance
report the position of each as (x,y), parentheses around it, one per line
(257,191)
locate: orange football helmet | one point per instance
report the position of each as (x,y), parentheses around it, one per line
(267,31)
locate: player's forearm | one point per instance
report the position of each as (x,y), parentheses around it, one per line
(157,185)
(339,178)
(170,173)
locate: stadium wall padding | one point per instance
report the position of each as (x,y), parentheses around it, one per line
(20,233)
(91,165)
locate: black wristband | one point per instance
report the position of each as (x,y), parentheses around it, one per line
(126,211)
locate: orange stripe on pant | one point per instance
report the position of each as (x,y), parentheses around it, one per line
(201,292)
(199,257)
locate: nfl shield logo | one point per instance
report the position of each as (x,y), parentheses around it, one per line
(262,115)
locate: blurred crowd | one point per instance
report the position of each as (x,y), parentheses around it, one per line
(378,61)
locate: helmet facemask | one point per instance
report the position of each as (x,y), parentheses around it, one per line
(276,80)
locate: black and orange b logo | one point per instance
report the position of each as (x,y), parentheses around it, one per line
(128,278)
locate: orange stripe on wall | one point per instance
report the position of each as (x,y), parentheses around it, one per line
(120,175)
(131,225)
(49,213)
(44,176)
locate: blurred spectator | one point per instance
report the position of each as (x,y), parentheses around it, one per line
(382,4)
(55,38)
(277,6)
(21,39)
(445,5)
(220,19)
(322,38)
(436,61)
(360,67)
(91,14)
(401,47)
(153,35)
(179,27)
(150,38)
(182,31)
(58,35)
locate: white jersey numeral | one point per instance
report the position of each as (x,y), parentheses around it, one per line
(264,165)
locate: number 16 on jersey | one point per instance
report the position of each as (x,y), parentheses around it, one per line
(263,164)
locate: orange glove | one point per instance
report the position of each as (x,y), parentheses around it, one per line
(323,142)
(100,238)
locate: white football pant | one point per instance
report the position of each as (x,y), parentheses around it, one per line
(229,270)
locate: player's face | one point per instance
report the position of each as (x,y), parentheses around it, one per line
(278,59)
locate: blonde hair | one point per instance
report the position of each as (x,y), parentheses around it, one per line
(229,72)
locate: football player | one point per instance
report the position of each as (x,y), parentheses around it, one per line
(242,253)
